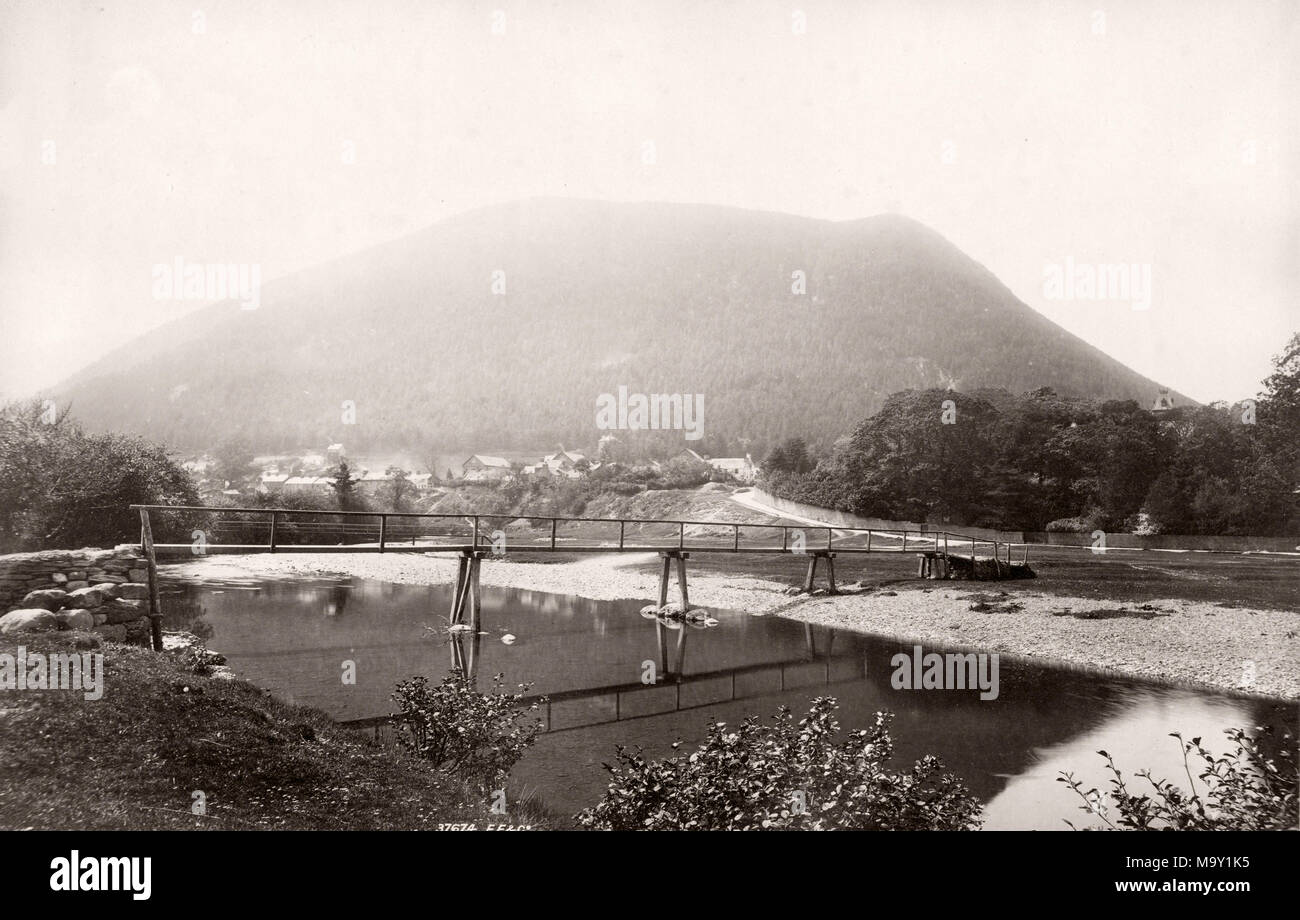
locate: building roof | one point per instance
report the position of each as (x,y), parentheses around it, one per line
(490,461)
(573,456)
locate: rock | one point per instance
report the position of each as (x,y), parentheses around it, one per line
(110,578)
(50,599)
(86,598)
(109,588)
(76,585)
(59,578)
(100,618)
(75,619)
(138,631)
(36,619)
(508,639)
(114,633)
(117,612)
(138,575)
(76,575)
(132,591)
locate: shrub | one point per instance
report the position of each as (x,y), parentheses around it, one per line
(1245,789)
(785,775)
(474,736)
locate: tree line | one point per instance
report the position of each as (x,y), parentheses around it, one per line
(1042,461)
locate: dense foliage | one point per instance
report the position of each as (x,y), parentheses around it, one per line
(1248,788)
(784,775)
(1041,461)
(462,731)
(63,488)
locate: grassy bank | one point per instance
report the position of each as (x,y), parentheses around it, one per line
(134,758)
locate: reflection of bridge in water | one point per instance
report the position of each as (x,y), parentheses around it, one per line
(663,688)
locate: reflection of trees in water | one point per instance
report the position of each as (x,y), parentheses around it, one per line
(339,595)
(185,611)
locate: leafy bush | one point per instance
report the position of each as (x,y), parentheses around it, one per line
(1245,789)
(474,736)
(63,488)
(785,775)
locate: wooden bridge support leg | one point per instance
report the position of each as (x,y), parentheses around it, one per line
(812,573)
(681,581)
(681,650)
(830,572)
(458,593)
(151,560)
(660,629)
(475,593)
(665,568)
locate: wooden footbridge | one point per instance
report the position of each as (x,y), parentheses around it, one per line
(474,537)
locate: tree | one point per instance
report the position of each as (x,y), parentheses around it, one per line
(62,488)
(397,489)
(345,487)
(234,461)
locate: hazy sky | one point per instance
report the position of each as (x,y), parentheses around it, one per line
(1151,133)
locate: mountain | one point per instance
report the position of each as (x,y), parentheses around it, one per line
(660,298)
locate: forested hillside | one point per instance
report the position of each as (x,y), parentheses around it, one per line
(659,298)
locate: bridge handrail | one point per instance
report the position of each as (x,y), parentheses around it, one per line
(475,516)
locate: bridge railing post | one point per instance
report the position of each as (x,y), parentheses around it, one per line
(476,531)
(785,535)
(275,518)
(554,521)
(620,533)
(681,535)
(735,544)
(383,530)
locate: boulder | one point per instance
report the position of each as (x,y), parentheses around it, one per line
(59,578)
(100,619)
(108,588)
(111,578)
(86,598)
(114,633)
(138,631)
(117,612)
(31,620)
(74,585)
(75,619)
(50,599)
(138,575)
(131,591)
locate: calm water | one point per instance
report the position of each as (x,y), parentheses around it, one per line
(292,636)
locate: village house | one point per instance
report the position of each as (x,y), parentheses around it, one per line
(742,469)
(300,485)
(479,468)
(565,463)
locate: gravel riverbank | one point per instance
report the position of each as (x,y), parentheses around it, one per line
(1194,642)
